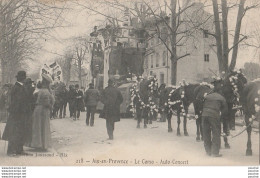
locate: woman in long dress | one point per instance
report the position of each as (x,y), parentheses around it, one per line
(41,133)
(5,102)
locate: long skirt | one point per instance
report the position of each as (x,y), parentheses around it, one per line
(41,132)
(3,115)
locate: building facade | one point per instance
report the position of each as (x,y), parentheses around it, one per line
(201,63)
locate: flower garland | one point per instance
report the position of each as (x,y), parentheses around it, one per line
(135,93)
(207,84)
(152,86)
(257,108)
(233,81)
(171,102)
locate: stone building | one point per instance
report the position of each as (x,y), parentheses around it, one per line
(202,62)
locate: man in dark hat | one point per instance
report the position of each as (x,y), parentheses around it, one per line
(112,99)
(71,100)
(91,100)
(214,107)
(14,131)
(78,102)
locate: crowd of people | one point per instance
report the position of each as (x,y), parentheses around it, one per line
(27,110)
(28,115)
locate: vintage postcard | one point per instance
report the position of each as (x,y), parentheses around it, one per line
(129,83)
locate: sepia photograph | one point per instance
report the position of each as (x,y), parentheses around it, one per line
(129,83)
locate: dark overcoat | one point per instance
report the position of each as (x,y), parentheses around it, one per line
(15,129)
(111,98)
(79,103)
(71,98)
(31,105)
(91,97)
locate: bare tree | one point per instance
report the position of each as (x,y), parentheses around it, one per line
(179,27)
(253,41)
(65,63)
(222,35)
(22,24)
(80,51)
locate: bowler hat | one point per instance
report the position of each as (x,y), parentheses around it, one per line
(21,74)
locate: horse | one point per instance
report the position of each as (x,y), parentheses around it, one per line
(178,99)
(162,94)
(165,106)
(199,93)
(250,99)
(145,100)
(232,90)
(233,85)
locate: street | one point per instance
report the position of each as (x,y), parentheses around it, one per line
(76,144)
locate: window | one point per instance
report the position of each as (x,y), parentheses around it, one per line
(161,78)
(157,59)
(205,33)
(151,61)
(151,72)
(206,57)
(164,58)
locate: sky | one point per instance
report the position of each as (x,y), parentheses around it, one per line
(78,22)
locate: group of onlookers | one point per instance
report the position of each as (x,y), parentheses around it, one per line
(111,97)
(75,100)
(28,115)
(28,110)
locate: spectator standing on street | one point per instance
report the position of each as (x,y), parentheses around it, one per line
(91,99)
(71,100)
(41,132)
(15,130)
(214,107)
(5,102)
(78,102)
(112,99)
(29,86)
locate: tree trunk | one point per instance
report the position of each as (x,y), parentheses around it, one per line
(69,73)
(173,44)
(3,72)
(80,82)
(225,35)
(237,33)
(218,35)
(173,71)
